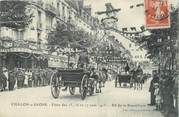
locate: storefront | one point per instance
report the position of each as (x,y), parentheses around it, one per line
(22,55)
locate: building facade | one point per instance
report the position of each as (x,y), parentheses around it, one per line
(27,48)
(139,56)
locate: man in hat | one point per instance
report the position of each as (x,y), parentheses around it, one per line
(11,80)
(1,79)
(3,76)
(83,60)
(20,78)
(127,68)
(139,70)
(37,77)
(152,87)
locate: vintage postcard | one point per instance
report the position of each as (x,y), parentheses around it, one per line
(89,58)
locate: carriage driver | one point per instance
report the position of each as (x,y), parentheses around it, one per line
(127,68)
(93,74)
(139,73)
(83,60)
(139,70)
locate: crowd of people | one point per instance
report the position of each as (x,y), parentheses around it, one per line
(22,78)
(163,88)
(163,91)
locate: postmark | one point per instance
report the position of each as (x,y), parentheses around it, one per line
(157,14)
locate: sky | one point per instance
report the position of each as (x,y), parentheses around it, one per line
(127,17)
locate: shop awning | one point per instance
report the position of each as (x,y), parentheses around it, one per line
(24,50)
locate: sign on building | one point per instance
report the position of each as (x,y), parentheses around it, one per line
(157,14)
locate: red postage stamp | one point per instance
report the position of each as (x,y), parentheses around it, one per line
(157,14)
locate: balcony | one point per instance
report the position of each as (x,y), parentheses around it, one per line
(51,9)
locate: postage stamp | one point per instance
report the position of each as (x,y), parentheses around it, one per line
(157,14)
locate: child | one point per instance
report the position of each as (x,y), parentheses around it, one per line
(158,99)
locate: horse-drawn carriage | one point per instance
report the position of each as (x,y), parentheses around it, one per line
(123,80)
(72,79)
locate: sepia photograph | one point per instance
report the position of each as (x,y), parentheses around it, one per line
(89,58)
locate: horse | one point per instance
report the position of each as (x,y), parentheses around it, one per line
(102,78)
(99,79)
(138,81)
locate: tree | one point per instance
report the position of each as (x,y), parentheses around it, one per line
(63,36)
(15,14)
(162,48)
(161,44)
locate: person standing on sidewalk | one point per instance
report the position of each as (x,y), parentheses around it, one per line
(11,80)
(1,79)
(152,87)
(158,99)
(4,77)
(20,78)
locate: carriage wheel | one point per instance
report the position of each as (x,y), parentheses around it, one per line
(55,88)
(72,90)
(83,87)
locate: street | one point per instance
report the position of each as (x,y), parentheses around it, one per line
(112,102)
(65,42)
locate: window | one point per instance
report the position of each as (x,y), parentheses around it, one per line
(38,36)
(69,13)
(39,16)
(20,35)
(63,12)
(58,9)
(39,22)
(49,21)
